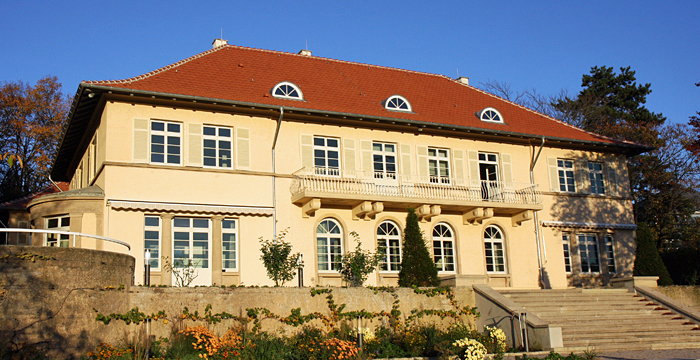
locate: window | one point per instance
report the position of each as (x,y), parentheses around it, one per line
(443,248)
(389,239)
(439,165)
(488,174)
(287,90)
(217,146)
(565,169)
(229,234)
(595,172)
(59,223)
(165,142)
(398,103)
(490,115)
(610,252)
(384,158)
(191,242)
(588,250)
(567,252)
(495,254)
(151,239)
(326,156)
(329,245)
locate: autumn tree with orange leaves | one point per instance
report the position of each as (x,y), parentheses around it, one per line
(30,128)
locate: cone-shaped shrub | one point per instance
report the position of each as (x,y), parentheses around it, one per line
(417,267)
(648,261)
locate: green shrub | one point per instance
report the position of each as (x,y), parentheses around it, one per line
(648,261)
(417,266)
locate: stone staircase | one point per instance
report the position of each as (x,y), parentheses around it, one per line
(605,320)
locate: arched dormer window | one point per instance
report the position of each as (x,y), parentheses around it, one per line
(287,90)
(490,114)
(397,103)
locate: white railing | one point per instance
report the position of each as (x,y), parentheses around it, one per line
(409,186)
(69,233)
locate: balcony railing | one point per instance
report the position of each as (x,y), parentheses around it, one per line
(324,180)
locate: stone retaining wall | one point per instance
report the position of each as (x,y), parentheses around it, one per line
(686,295)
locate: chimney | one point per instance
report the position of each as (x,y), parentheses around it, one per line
(219,42)
(463,80)
(305,52)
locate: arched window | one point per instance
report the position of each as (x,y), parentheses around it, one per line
(444,248)
(329,245)
(398,103)
(490,115)
(495,250)
(389,239)
(287,90)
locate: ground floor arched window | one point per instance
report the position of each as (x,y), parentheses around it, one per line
(443,248)
(389,239)
(495,250)
(329,245)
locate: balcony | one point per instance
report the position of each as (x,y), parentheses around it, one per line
(372,192)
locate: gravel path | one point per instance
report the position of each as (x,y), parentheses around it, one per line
(652,354)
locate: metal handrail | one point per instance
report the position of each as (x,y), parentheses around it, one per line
(61,232)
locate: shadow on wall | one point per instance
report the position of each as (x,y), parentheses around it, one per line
(47,296)
(598,209)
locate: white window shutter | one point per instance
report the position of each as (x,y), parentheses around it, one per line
(459,163)
(243,148)
(140,140)
(194,146)
(554,175)
(307,150)
(349,155)
(473,157)
(506,165)
(405,159)
(422,160)
(366,149)
(583,182)
(612,189)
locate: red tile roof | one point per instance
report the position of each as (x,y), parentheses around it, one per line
(22,202)
(244,74)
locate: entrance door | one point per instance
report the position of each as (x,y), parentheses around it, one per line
(191,250)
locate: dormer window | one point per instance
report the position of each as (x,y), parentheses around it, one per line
(490,115)
(397,103)
(287,90)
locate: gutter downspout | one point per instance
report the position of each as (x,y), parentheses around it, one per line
(274,171)
(54,184)
(540,245)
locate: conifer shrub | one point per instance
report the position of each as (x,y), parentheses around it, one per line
(417,267)
(648,261)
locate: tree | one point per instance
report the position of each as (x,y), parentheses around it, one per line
(280,263)
(356,265)
(694,122)
(417,267)
(30,126)
(648,262)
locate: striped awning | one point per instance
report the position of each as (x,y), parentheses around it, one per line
(190,208)
(587,225)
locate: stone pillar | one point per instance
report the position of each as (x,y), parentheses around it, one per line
(76,225)
(216,251)
(166,247)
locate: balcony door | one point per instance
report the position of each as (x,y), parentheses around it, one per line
(192,249)
(384,168)
(488,174)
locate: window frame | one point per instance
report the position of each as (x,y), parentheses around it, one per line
(59,238)
(326,169)
(235,251)
(217,138)
(609,243)
(434,165)
(439,241)
(166,146)
(294,87)
(566,246)
(384,155)
(489,110)
(191,230)
(563,174)
(596,178)
(155,257)
(384,242)
(395,102)
(332,259)
(584,253)
(489,239)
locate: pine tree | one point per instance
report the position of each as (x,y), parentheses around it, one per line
(648,261)
(417,268)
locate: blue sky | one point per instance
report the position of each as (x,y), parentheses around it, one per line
(546,45)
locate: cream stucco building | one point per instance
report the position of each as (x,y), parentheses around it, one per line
(199,159)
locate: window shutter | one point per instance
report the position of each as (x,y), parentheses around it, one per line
(194,149)
(349,155)
(507,170)
(554,175)
(422,160)
(366,149)
(612,189)
(583,183)
(406,159)
(307,151)
(473,165)
(459,164)
(243,148)
(140,140)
